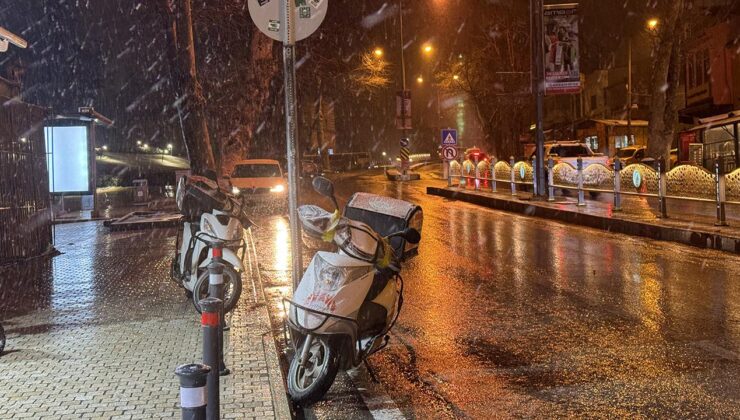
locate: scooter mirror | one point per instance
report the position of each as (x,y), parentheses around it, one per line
(323,186)
(411,236)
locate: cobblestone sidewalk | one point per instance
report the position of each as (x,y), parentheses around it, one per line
(97,333)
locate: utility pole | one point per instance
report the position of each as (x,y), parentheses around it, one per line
(539,87)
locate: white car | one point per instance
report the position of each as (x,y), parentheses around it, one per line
(259,179)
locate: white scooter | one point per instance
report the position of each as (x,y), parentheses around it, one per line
(213,219)
(346,302)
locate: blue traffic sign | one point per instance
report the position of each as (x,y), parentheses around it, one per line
(449,137)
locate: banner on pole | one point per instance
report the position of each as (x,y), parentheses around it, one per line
(403,110)
(562,55)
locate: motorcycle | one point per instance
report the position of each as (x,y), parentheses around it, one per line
(213,219)
(347,301)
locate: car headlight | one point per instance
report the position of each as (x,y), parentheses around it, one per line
(277,188)
(235,191)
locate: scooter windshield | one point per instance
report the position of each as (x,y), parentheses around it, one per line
(316,221)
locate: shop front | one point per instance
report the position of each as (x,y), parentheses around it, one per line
(716,138)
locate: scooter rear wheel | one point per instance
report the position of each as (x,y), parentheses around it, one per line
(307,385)
(232,288)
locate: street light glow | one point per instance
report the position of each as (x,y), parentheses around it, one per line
(419,80)
(455,77)
(652,24)
(145,146)
(138,142)
(169,146)
(427,49)
(378,52)
(105,147)
(384,153)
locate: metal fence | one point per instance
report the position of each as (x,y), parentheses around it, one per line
(25,217)
(684,182)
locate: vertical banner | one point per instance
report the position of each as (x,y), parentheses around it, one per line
(403,110)
(562,56)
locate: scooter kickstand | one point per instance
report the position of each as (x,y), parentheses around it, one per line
(371,372)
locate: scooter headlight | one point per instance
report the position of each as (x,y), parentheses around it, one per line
(330,278)
(208,228)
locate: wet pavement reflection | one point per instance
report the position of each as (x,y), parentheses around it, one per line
(510,316)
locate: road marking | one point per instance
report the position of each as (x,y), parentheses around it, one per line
(379,404)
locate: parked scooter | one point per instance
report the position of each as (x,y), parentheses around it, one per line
(213,218)
(347,301)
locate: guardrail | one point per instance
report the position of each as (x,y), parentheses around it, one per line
(684,182)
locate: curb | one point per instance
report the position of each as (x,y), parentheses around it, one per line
(693,237)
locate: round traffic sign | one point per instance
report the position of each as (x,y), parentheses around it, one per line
(449,152)
(404,142)
(307,15)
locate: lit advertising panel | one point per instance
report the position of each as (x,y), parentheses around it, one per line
(68,159)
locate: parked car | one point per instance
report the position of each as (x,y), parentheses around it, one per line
(260,179)
(570,151)
(628,155)
(636,154)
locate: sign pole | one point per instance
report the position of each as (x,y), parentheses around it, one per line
(291,140)
(539,90)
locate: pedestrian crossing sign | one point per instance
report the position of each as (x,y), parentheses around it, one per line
(449,137)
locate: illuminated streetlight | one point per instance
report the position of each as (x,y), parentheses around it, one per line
(105,147)
(145,146)
(378,52)
(652,24)
(427,48)
(169,146)
(419,80)
(384,153)
(138,142)
(455,77)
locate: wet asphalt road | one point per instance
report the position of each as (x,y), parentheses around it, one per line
(510,316)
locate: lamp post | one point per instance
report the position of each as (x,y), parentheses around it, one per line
(652,25)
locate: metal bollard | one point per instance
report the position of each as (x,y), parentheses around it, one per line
(617,185)
(210,321)
(193,394)
(535,183)
(513,176)
(581,197)
(550,180)
(493,174)
(662,210)
(476,186)
(719,180)
(216,289)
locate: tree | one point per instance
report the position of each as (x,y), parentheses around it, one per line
(665,80)
(190,101)
(492,74)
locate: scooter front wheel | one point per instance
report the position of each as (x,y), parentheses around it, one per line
(232,288)
(2,340)
(308,384)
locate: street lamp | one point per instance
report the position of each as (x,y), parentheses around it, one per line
(455,77)
(427,48)
(378,52)
(384,154)
(652,24)
(145,146)
(420,80)
(105,147)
